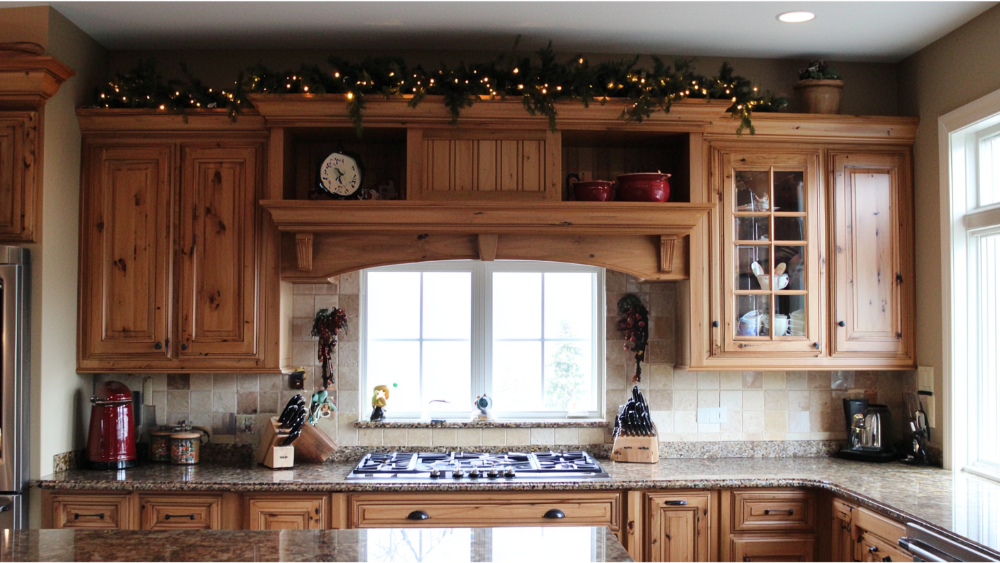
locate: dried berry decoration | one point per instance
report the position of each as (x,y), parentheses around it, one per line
(633,321)
(326,325)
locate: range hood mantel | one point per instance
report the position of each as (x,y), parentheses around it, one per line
(328,238)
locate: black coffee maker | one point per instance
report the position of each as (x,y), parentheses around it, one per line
(869,432)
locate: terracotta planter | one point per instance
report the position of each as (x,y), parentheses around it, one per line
(596,190)
(646,186)
(820,96)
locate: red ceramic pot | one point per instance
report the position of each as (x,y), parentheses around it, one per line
(595,190)
(644,186)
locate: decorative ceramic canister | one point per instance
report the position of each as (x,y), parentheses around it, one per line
(185,448)
(159,445)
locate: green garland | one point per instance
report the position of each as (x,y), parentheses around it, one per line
(540,82)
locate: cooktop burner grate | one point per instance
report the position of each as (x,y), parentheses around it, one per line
(430,466)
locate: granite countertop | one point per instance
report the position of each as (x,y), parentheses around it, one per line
(439,544)
(956,503)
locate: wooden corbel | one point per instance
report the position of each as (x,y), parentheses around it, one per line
(488,247)
(667,243)
(304,251)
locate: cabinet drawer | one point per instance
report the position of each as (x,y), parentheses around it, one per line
(91,511)
(774,511)
(286,512)
(161,512)
(881,526)
(842,510)
(448,510)
(874,548)
(750,548)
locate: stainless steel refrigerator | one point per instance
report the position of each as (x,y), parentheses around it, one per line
(14,330)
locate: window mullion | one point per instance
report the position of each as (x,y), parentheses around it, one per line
(482,324)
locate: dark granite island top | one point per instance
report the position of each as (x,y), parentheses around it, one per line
(388,544)
(956,503)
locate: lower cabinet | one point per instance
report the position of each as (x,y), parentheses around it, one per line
(180,512)
(281,511)
(92,511)
(752,547)
(878,537)
(679,525)
(842,531)
(768,525)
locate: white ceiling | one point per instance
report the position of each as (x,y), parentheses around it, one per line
(855,31)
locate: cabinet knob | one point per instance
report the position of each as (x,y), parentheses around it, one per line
(417,515)
(841,323)
(816,345)
(873,549)
(555,514)
(715,324)
(184,346)
(158,345)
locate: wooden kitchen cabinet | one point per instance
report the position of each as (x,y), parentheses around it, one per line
(842,536)
(872,267)
(19,175)
(771,251)
(680,526)
(877,537)
(180,512)
(286,511)
(769,548)
(176,266)
(91,511)
(768,525)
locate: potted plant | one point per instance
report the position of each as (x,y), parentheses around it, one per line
(819,88)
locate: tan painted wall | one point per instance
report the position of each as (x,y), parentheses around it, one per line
(870,88)
(951,72)
(59,396)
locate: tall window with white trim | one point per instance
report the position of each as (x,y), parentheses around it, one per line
(528,334)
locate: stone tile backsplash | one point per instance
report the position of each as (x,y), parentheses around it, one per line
(762,406)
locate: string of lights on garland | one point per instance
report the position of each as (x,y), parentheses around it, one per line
(540,81)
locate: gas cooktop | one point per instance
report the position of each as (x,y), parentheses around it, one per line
(472,466)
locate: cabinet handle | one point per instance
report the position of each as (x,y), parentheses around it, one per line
(676,503)
(789,512)
(169,516)
(184,346)
(158,345)
(715,324)
(555,513)
(816,345)
(845,527)
(841,324)
(887,558)
(417,515)
(77,515)
(873,549)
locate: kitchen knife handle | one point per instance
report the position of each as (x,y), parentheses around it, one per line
(789,512)
(554,514)
(417,515)
(169,516)
(77,515)
(676,503)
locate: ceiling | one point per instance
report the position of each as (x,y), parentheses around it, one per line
(852,31)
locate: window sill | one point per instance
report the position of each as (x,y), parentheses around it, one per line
(981,471)
(581,423)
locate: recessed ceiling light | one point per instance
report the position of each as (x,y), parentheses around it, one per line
(796,17)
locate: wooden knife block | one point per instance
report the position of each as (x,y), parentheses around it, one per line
(636,449)
(312,445)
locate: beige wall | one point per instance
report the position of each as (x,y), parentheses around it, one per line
(953,71)
(870,88)
(59,408)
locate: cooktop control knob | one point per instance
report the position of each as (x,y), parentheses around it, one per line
(435,473)
(474,473)
(492,473)
(457,474)
(509,473)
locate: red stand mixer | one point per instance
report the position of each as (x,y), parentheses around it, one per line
(111,443)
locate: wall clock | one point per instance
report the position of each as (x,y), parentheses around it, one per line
(340,176)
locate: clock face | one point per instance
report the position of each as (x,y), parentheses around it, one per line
(340,175)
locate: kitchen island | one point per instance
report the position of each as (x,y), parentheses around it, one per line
(954,504)
(443,544)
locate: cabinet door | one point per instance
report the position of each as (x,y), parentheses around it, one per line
(772,548)
(679,527)
(18,175)
(872,314)
(125,255)
(771,253)
(218,251)
(842,537)
(286,512)
(483,164)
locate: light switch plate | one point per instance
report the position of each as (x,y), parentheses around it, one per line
(925,378)
(708,415)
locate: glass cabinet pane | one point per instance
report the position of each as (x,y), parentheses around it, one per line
(788,192)
(753,312)
(746,274)
(790,313)
(753,190)
(792,276)
(753,228)
(789,228)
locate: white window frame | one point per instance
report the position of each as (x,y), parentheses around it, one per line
(963,221)
(482,336)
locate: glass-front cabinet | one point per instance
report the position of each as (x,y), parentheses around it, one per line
(771,252)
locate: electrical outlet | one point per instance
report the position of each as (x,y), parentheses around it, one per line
(713,415)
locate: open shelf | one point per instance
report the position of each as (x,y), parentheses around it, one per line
(381,151)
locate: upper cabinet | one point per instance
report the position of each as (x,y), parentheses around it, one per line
(174,254)
(872,266)
(26,83)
